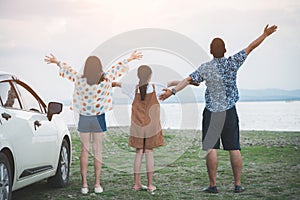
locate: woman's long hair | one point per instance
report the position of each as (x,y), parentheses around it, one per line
(93,71)
(144,74)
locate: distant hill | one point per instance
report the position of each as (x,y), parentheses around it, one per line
(269,95)
(245,95)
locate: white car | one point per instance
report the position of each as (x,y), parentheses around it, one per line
(35,143)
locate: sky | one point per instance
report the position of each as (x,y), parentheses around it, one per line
(72,29)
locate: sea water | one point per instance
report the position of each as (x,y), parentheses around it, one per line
(271,115)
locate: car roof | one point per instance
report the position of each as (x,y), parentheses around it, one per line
(6,76)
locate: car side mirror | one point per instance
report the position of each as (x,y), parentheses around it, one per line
(53,108)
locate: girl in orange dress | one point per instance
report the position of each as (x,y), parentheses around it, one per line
(145,129)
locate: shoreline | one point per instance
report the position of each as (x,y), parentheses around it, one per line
(262,138)
(73,128)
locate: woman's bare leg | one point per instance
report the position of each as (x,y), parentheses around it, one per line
(97,151)
(84,156)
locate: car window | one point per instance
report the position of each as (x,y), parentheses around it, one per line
(8,96)
(28,101)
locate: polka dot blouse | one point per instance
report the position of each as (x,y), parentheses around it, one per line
(93,99)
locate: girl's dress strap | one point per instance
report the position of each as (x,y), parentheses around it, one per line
(136,88)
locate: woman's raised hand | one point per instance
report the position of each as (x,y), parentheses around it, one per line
(51,59)
(135,56)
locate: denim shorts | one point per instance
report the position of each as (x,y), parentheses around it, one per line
(225,127)
(92,124)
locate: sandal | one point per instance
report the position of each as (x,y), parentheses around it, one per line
(143,187)
(152,191)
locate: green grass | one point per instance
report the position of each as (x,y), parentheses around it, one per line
(271,169)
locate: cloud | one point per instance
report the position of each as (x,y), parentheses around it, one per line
(72,29)
(56,26)
(19,9)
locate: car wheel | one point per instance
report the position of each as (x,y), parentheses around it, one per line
(5,178)
(61,177)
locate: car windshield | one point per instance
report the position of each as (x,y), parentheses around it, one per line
(29,102)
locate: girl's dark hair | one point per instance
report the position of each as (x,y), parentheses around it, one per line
(144,74)
(93,70)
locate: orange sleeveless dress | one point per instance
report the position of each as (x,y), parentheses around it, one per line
(145,129)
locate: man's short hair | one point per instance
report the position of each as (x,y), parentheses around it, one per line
(217,48)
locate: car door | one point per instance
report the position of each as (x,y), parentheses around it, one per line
(3,134)
(8,105)
(34,136)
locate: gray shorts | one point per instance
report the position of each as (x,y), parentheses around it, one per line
(92,124)
(230,134)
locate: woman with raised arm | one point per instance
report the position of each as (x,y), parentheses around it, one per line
(92,98)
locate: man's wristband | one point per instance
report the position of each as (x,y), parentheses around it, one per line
(173,90)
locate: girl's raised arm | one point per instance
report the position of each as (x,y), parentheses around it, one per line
(122,68)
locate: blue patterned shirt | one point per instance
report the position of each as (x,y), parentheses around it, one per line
(219,75)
